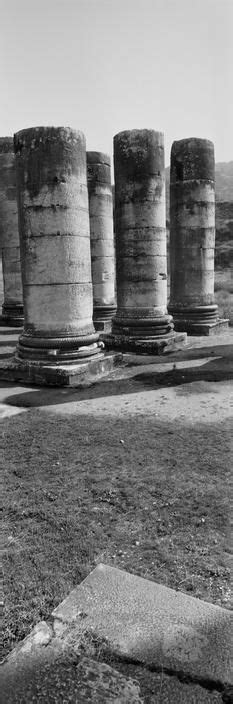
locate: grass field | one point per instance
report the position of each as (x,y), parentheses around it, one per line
(224,293)
(135,492)
(146,496)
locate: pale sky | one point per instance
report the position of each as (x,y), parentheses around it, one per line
(103,66)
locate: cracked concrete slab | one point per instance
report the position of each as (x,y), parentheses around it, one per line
(152,624)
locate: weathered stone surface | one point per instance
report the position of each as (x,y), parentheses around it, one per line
(160,688)
(192,234)
(171,691)
(156,346)
(102,237)
(99,682)
(55,242)
(40,636)
(43,374)
(63,680)
(153,624)
(211,329)
(140,231)
(12,309)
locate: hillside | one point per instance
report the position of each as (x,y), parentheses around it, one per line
(224,181)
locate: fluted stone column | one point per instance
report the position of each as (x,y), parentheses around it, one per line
(192,235)
(140,228)
(12,309)
(102,239)
(55,246)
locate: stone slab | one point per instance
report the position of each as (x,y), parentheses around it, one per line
(73,375)
(159,688)
(65,680)
(48,668)
(221,326)
(152,624)
(154,346)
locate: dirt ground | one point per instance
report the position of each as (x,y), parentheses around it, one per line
(133,471)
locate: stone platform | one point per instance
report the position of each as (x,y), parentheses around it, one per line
(73,375)
(199,329)
(77,375)
(154,346)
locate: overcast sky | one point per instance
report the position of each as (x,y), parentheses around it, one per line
(107,65)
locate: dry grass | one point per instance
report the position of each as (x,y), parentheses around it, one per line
(224,293)
(74,495)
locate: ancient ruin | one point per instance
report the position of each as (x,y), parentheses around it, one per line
(140,230)
(65,215)
(192,236)
(12,309)
(55,245)
(102,239)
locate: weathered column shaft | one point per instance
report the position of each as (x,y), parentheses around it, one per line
(12,309)
(192,233)
(102,238)
(55,245)
(140,228)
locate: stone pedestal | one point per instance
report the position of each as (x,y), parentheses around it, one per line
(192,236)
(140,230)
(12,309)
(102,239)
(55,247)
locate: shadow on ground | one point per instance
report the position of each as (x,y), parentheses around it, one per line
(127,380)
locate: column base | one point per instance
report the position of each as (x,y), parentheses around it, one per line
(197,320)
(142,328)
(73,375)
(58,350)
(102,318)
(151,345)
(220,325)
(12,315)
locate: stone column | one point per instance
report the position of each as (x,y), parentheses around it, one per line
(12,309)
(140,228)
(55,246)
(192,235)
(102,239)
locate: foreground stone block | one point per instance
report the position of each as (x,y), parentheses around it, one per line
(192,237)
(152,624)
(89,682)
(12,309)
(159,688)
(100,683)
